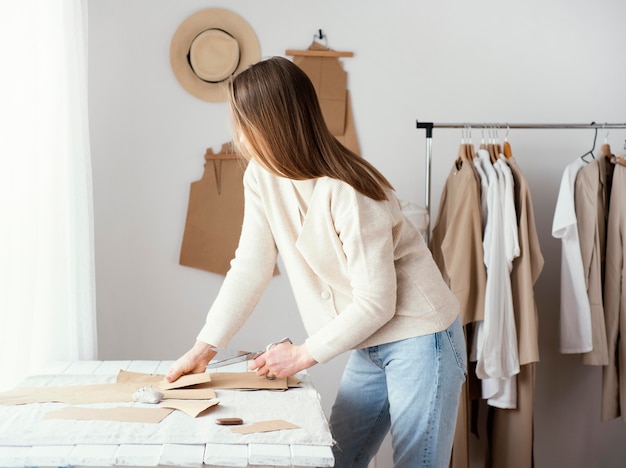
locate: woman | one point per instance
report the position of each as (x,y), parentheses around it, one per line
(361,274)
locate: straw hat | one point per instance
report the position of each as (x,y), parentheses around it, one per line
(209,47)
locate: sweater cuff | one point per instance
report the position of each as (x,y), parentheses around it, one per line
(207,335)
(319,349)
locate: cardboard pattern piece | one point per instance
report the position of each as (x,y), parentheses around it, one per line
(215,213)
(120,413)
(265,426)
(192,408)
(330,81)
(193,393)
(189,387)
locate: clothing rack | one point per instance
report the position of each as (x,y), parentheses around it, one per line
(429,126)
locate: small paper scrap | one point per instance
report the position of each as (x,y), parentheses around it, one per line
(121,413)
(265,426)
(192,407)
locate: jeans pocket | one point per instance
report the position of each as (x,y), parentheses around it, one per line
(457,342)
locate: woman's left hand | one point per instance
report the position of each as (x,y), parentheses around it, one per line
(282,360)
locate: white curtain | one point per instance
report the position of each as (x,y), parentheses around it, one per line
(47,280)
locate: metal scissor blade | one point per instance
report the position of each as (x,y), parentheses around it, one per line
(225,357)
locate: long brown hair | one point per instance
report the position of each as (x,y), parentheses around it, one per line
(278,122)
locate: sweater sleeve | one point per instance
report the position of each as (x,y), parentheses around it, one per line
(250,271)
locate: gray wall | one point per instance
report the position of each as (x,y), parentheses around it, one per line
(448,61)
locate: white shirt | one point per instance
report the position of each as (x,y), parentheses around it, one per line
(502,392)
(496,344)
(575,313)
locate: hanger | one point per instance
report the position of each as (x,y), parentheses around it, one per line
(471,152)
(621,160)
(508,154)
(590,152)
(462,154)
(493,156)
(605,148)
(311,52)
(483,145)
(226,152)
(498,148)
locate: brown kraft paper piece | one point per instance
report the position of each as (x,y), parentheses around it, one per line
(215,213)
(121,414)
(188,387)
(265,426)
(330,82)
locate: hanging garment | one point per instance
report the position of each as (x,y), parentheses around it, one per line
(575,311)
(614,374)
(511,431)
(459,256)
(502,391)
(526,269)
(496,340)
(459,252)
(214,216)
(592,207)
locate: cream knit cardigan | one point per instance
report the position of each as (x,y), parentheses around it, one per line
(360,272)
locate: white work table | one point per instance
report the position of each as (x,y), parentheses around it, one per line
(206,454)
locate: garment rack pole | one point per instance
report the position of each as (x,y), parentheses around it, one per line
(429,126)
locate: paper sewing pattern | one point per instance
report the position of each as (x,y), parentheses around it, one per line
(265,426)
(214,214)
(120,414)
(330,82)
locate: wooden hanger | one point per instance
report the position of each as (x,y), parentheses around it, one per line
(225,153)
(471,152)
(617,159)
(605,148)
(319,53)
(498,148)
(621,160)
(466,148)
(508,154)
(462,154)
(318,50)
(493,156)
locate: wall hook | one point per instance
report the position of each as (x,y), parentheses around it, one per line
(320,35)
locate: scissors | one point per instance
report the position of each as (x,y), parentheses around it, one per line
(225,357)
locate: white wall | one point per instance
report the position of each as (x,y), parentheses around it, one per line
(447,61)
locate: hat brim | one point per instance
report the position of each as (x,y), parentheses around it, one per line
(211,18)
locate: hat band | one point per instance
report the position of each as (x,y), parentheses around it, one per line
(214,55)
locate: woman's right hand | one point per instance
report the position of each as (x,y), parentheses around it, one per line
(193,361)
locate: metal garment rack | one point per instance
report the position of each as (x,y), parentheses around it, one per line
(429,126)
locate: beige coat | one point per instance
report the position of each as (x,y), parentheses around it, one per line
(614,374)
(511,433)
(526,270)
(457,248)
(591,201)
(456,241)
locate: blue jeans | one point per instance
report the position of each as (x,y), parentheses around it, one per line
(411,386)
